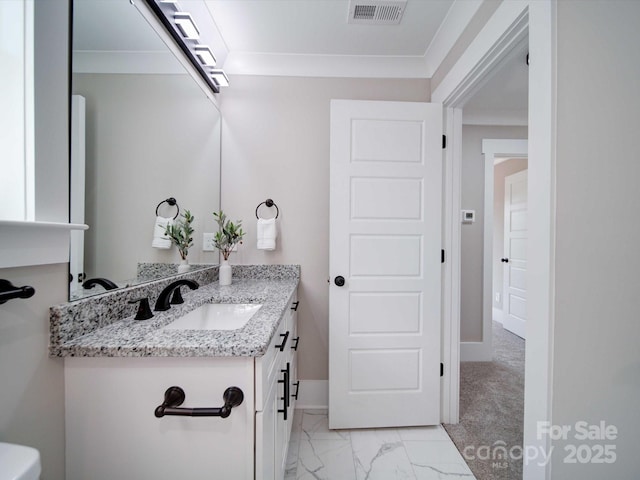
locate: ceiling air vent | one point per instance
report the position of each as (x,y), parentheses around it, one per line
(376,12)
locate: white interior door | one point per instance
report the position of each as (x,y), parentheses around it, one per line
(515,253)
(385,215)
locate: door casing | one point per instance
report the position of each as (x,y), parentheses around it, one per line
(491,148)
(511,22)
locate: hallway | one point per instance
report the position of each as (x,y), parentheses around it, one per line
(492,409)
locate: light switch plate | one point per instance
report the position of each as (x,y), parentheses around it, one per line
(208,242)
(468,216)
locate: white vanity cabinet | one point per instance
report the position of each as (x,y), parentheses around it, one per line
(276,393)
(112,432)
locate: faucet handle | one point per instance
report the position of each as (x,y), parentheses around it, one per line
(144,310)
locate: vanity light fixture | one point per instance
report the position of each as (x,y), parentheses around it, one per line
(186,25)
(185,33)
(220,78)
(175,4)
(206,56)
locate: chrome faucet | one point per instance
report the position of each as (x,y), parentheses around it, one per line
(162,303)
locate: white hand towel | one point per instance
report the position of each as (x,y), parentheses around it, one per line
(160,240)
(267,234)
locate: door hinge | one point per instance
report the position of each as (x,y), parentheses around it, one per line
(442,369)
(444,141)
(442,256)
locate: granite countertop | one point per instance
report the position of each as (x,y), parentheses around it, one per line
(146,338)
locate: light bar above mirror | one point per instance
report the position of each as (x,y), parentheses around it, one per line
(182,27)
(186,25)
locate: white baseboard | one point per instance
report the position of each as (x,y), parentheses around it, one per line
(313,394)
(475,352)
(496,314)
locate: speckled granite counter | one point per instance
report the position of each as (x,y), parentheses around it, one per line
(271,287)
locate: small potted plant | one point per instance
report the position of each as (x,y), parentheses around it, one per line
(229,235)
(180,234)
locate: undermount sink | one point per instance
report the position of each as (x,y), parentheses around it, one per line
(216,316)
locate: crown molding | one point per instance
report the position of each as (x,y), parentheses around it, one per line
(360,66)
(451,28)
(353,66)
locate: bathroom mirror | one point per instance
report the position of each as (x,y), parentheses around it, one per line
(150,133)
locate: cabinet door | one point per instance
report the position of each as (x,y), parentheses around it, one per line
(112,432)
(282,423)
(265,437)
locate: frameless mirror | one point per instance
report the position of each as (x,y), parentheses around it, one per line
(143,131)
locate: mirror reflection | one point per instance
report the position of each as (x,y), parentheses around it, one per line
(142,132)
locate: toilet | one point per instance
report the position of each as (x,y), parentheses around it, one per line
(19,462)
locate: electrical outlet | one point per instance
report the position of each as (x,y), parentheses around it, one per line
(208,242)
(497,297)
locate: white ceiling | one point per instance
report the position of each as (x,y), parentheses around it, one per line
(319,27)
(503,99)
(313,38)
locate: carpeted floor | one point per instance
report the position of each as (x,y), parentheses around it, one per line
(492,410)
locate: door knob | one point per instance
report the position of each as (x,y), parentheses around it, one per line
(504,260)
(339,281)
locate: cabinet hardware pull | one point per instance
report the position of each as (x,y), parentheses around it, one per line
(295,347)
(285,397)
(297,384)
(174,397)
(288,393)
(295,306)
(284,341)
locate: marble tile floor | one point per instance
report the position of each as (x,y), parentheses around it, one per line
(419,453)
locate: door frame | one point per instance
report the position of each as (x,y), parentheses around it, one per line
(512,22)
(491,148)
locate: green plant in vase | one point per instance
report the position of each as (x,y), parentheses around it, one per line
(229,235)
(181,233)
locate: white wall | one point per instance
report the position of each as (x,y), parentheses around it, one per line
(32,393)
(500,172)
(596,359)
(148,138)
(472,185)
(275,144)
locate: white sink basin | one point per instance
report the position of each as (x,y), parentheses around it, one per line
(216,316)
